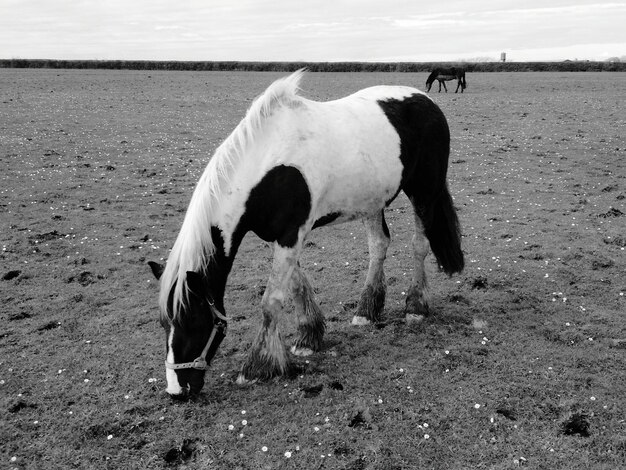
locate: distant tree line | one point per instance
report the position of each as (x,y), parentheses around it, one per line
(566,66)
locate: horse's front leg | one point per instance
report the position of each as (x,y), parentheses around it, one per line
(444,86)
(268,356)
(311,325)
(372,300)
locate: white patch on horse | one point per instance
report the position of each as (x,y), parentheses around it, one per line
(173,387)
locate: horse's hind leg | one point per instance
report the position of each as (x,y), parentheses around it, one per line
(416,301)
(311,325)
(372,299)
(268,356)
(444,86)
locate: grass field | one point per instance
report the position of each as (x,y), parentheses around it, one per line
(522,363)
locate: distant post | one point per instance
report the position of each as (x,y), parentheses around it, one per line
(503,57)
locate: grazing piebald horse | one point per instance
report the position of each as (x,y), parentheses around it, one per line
(292,165)
(443,74)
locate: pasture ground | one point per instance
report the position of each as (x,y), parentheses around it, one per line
(522,363)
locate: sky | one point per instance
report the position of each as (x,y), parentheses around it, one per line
(313,30)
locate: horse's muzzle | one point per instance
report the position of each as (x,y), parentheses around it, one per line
(190,384)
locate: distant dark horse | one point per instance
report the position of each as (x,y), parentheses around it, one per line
(443,74)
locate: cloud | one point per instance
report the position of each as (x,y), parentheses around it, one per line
(171,27)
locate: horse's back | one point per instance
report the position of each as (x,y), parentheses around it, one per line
(349,153)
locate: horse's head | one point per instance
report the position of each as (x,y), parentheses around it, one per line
(192,336)
(431,78)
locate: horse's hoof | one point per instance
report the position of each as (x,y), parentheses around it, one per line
(301,351)
(412,319)
(416,305)
(360,321)
(243,382)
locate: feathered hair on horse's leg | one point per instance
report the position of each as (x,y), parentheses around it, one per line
(311,324)
(372,301)
(268,356)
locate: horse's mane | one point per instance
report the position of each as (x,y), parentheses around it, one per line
(194,246)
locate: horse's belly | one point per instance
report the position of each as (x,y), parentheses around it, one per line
(359,187)
(363,194)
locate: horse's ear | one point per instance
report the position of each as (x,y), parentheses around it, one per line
(195,282)
(157,269)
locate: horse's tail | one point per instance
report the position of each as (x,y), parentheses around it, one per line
(425,151)
(463,79)
(443,231)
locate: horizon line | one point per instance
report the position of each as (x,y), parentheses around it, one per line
(470,61)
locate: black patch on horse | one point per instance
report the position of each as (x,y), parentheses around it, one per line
(424,144)
(278,206)
(424,152)
(326,219)
(385,228)
(219,267)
